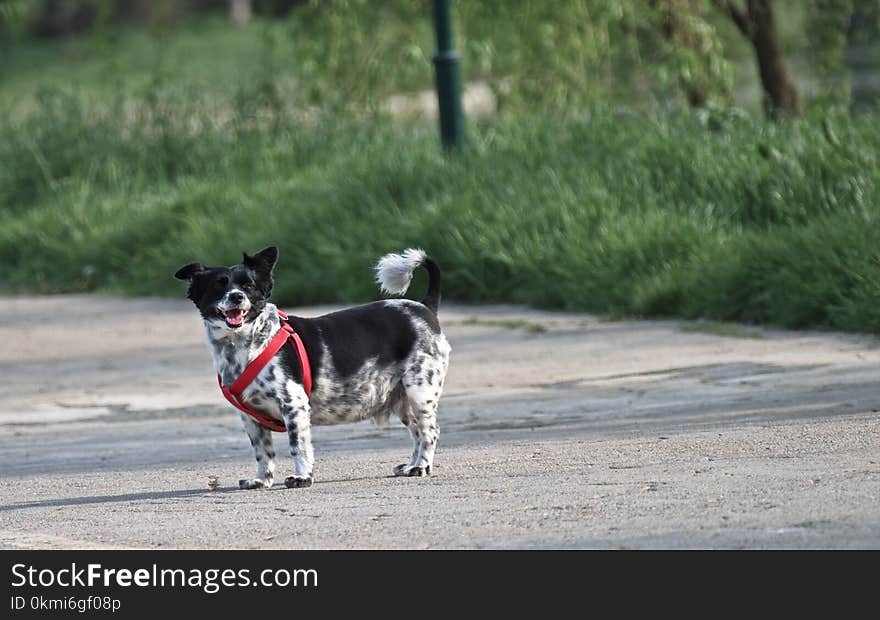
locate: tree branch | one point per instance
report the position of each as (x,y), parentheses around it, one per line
(739,17)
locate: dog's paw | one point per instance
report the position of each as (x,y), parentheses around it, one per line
(254,483)
(297,482)
(414,471)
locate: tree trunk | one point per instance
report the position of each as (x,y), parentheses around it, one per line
(781,94)
(758,24)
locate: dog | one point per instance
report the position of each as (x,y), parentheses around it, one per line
(371,361)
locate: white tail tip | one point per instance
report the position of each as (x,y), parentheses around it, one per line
(394,271)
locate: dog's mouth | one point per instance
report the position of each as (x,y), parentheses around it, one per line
(234,317)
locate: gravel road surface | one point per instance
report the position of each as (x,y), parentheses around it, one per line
(557,431)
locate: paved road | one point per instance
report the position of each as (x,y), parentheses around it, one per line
(558,431)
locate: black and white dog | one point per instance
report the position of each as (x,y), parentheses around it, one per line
(371,361)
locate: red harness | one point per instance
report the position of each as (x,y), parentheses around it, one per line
(233,392)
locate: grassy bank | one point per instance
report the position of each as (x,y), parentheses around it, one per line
(717,216)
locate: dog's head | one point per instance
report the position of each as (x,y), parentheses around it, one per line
(231,297)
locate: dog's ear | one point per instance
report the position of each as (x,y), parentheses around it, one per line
(263,261)
(188,272)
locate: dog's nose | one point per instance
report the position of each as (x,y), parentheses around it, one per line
(236,297)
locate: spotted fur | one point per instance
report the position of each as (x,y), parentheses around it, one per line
(368,362)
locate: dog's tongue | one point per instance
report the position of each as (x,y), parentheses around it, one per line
(235,316)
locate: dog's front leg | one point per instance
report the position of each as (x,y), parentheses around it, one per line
(264,451)
(295,409)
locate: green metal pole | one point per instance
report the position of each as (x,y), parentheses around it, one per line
(447,78)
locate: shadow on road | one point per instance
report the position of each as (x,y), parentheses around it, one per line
(109,499)
(153,495)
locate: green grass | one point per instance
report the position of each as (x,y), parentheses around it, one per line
(123,158)
(321,59)
(717,328)
(205,59)
(722,217)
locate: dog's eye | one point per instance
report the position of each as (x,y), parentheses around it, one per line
(222,281)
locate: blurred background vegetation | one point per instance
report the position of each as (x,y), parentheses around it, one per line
(691,158)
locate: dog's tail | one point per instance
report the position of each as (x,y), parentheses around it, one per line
(394,273)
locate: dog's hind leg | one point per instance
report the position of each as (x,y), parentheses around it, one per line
(264,451)
(423,382)
(295,409)
(425,433)
(403,409)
